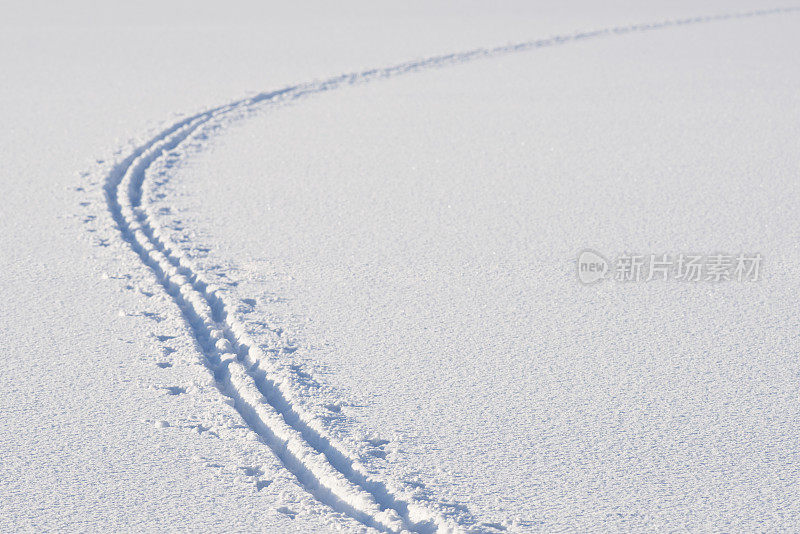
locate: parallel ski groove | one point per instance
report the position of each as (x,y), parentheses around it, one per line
(315,474)
(239,367)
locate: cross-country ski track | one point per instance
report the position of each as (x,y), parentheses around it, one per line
(242,371)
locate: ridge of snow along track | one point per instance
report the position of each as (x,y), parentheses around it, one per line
(241,370)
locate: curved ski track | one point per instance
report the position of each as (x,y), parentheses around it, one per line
(241,370)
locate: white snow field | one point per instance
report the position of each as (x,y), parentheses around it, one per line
(311,267)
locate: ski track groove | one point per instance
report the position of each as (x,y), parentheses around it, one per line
(241,370)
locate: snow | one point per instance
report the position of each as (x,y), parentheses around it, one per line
(245,291)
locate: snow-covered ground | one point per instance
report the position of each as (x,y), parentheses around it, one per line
(274,267)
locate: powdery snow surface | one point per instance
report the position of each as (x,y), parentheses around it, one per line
(245,291)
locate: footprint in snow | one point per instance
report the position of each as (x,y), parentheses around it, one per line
(377,450)
(287,511)
(201,429)
(252,471)
(152,316)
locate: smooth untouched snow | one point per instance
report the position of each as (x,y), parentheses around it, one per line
(391,255)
